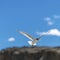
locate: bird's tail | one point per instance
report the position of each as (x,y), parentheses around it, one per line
(31,43)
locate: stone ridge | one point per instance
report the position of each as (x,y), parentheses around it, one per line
(30,53)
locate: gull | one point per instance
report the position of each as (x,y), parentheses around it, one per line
(33,40)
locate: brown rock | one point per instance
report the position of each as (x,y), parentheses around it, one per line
(30,53)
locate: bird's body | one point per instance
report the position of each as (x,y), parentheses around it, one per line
(33,40)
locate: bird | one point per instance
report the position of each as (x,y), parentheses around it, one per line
(33,41)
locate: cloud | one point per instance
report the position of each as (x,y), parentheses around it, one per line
(11,39)
(50,23)
(56,16)
(54,32)
(48,19)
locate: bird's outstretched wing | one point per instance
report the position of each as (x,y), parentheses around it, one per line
(41,36)
(27,35)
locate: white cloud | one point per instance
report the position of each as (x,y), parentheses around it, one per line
(50,23)
(54,32)
(48,19)
(11,39)
(56,16)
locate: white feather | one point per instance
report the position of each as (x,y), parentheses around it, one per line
(31,43)
(27,35)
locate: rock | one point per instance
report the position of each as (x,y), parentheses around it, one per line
(30,53)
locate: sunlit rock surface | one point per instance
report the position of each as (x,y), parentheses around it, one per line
(30,53)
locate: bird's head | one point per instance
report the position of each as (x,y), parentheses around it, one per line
(37,38)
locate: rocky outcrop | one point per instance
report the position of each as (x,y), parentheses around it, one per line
(30,53)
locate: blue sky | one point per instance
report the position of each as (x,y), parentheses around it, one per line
(31,16)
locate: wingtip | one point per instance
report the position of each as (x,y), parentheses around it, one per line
(18,31)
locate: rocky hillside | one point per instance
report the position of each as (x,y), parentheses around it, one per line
(30,53)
